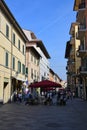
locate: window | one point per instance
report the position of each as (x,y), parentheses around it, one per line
(27,70)
(35,74)
(32,58)
(33,36)
(19,44)
(23,49)
(7,31)
(32,73)
(19,66)
(37,62)
(13,39)
(6,59)
(13,63)
(23,69)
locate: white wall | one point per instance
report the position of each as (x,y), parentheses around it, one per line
(44,65)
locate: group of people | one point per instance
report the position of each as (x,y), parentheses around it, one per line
(29,98)
(22,95)
(63,96)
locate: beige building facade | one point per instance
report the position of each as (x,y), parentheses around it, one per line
(74,61)
(37,60)
(81,7)
(12,54)
(51,75)
(32,63)
(32,58)
(54,77)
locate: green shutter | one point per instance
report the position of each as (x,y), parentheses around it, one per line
(19,66)
(13,67)
(6,60)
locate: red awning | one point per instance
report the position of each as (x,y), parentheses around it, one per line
(44,84)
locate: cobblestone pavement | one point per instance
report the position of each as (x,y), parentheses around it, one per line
(17,116)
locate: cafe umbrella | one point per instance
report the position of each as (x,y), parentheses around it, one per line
(45,84)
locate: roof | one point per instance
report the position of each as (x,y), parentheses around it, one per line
(33,39)
(11,19)
(51,71)
(30,35)
(33,48)
(76,5)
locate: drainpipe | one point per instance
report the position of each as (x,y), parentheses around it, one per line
(11,63)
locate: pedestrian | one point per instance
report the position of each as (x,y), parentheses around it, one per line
(15,96)
(20,97)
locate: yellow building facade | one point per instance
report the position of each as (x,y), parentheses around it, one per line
(74,62)
(81,7)
(12,53)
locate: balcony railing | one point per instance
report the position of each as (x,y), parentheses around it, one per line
(82,51)
(82,5)
(70,61)
(82,47)
(82,69)
(82,27)
(70,73)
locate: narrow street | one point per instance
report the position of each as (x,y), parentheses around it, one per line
(18,116)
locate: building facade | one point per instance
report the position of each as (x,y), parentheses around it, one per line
(81,7)
(12,54)
(43,62)
(74,61)
(32,58)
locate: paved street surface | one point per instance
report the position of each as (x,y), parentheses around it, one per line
(17,116)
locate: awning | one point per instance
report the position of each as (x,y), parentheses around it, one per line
(20,79)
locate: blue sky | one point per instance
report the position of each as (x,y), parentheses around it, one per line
(50,20)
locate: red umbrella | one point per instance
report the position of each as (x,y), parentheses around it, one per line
(45,83)
(49,89)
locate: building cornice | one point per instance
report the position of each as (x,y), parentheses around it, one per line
(11,19)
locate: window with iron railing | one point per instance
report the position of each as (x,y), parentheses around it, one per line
(82,47)
(82,26)
(83,68)
(82,4)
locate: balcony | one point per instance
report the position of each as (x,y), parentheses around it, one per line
(82,27)
(70,73)
(80,15)
(82,51)
(70,61)
(82,6)
(83,70)
(81,31)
